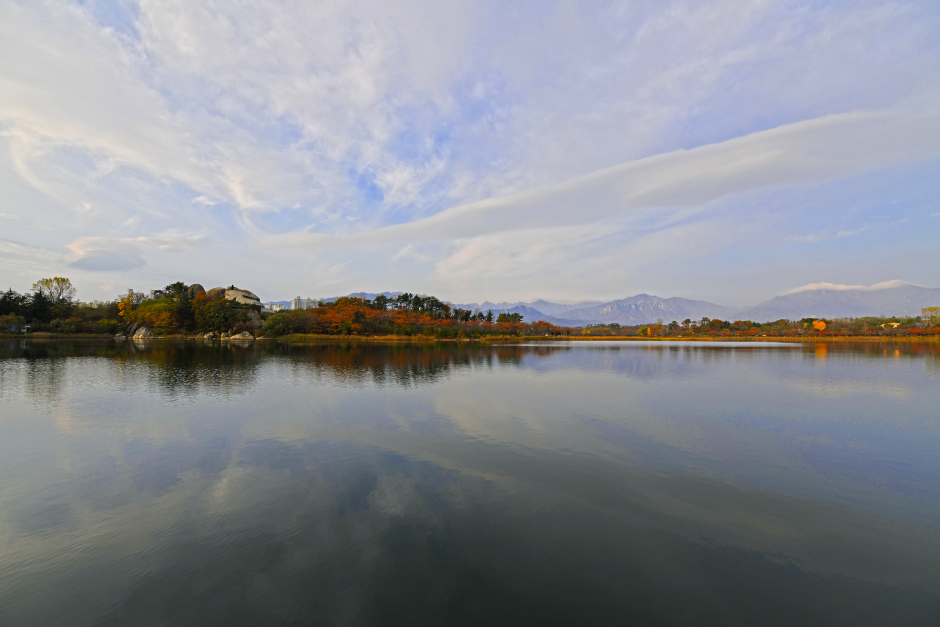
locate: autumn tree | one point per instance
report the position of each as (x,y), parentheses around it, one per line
(126,307)
(57,289)
(930,315)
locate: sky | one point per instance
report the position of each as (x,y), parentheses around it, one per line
(729,151)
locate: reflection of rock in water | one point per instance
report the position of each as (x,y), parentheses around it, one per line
(143,333)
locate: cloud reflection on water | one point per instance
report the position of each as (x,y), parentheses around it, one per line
(331,482)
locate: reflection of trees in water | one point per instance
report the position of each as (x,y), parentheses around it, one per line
(176,369)
(40,368)
(670,360)
(391,365)
(181,369)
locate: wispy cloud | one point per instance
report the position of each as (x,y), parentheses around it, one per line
(884,285)
(439,144)
(793,154)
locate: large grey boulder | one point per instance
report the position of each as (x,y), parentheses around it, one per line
(235,293)
(244,336)
(242,296)
(143,333)
(194,289)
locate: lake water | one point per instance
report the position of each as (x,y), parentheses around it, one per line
(551,484)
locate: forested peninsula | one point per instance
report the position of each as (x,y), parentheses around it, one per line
(192,311)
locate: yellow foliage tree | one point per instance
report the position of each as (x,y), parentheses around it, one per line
(125,307)
(819,325)
(930,315)
(56,289)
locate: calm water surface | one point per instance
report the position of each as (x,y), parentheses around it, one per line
(344,484)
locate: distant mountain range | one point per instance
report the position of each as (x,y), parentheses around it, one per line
(897,299)
(645,308)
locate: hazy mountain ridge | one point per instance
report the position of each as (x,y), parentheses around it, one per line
(644,308)
(905,300)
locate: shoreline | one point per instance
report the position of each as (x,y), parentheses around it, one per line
(392,339)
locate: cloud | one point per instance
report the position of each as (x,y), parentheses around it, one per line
(885,285)
(101,254)
(325,139)
(130,223)
(797,153)
(173,240)
(266,105)
(823,236)
(25,260)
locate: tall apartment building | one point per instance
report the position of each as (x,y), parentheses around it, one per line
(303,303)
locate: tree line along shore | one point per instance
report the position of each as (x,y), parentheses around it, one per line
(190,311)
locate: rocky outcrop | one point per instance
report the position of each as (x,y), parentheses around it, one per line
(237,294)
(143,333)
(242,296)
(194,289)
(244,336)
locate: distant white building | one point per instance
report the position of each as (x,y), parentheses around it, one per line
(275,307)
(303,303)
(136,297)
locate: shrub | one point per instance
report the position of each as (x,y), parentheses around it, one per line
(62,326)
